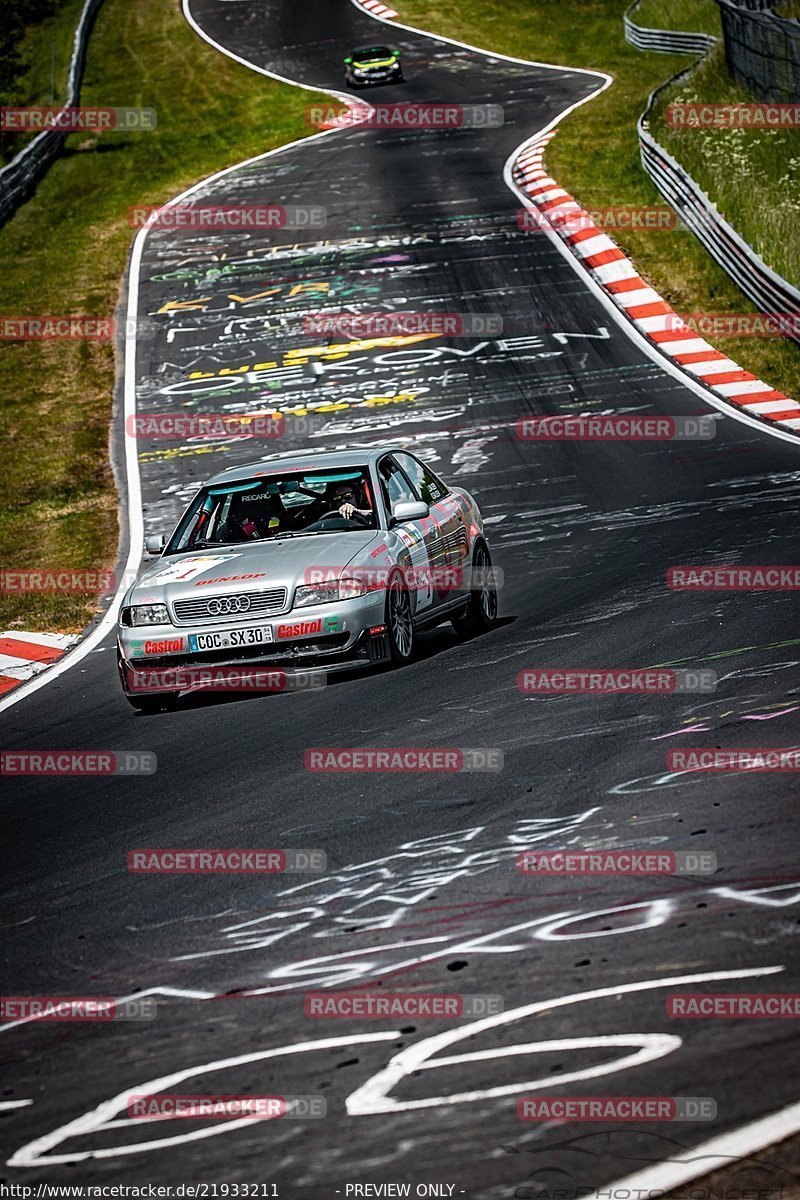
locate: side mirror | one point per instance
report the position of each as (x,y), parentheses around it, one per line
(409,510)
(154,543)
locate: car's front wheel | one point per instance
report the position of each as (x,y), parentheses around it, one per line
(481,611)
(399,622)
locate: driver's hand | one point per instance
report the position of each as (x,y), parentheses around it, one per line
(347,510)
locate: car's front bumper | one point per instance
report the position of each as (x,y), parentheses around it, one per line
(374,77)
(151,656)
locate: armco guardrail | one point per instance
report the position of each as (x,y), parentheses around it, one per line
(668,41)
(767,290)
(19,177)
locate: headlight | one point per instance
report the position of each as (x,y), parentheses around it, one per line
(328,592)
(316,593)
(145,614)
(349,588)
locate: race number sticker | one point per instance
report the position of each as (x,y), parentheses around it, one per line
(187,568)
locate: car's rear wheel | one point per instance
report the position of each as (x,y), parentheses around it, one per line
(399,622)
(481,611)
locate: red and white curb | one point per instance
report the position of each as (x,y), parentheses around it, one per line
(652,316)
(23,655)
(376,9)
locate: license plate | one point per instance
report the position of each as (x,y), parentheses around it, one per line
(228,638)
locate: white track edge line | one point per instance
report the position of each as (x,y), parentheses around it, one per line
(735,1145)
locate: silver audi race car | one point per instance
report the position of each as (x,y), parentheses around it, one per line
(318,561)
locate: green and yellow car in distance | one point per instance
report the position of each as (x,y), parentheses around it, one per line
(372,65)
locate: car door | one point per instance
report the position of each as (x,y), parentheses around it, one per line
(420,543)
(449,536)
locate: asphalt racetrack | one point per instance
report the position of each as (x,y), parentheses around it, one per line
(421,891)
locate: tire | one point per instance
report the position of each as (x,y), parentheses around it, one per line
(399,621)
(481,612)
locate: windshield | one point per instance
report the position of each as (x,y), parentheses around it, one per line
(292,504)
(373,52)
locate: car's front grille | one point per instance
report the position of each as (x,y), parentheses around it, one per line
(230,608)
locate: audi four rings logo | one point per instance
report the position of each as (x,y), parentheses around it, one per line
(228,604)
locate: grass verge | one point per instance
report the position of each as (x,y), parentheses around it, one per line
(64,252)
(595,155)
(753,175)
(688,16)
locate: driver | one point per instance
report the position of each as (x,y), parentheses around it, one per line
(344,498)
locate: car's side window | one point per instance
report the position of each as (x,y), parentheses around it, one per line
(396,483)
(426,485)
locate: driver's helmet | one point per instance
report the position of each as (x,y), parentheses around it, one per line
(344,492)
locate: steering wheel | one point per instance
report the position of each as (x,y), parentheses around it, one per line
(357,516)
